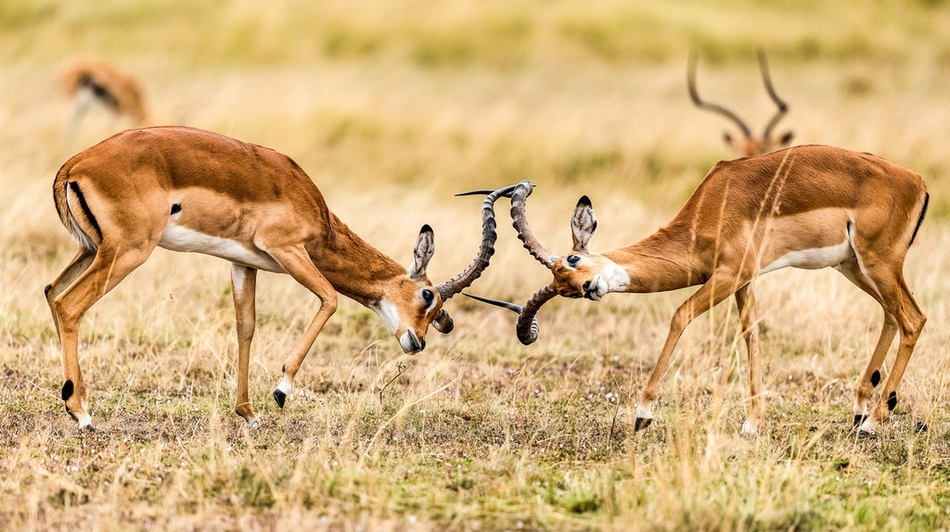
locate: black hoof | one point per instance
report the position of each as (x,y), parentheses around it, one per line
(869,434)
(920,427)
(859,419)
(642,423)
(280,397)
(90,428)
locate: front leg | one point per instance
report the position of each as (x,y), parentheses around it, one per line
(243,289)
(298,264)
(748,318)
(719,286)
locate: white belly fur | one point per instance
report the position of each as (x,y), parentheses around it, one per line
(813,259)
(177,238)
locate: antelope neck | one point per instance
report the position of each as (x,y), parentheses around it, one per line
(660,262)
(354,268)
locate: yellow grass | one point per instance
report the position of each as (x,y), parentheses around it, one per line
(392,108)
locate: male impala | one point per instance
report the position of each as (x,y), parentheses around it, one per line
(97,81)
(806,207)
(191,190)
(749,144)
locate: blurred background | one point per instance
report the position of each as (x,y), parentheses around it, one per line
(457,94)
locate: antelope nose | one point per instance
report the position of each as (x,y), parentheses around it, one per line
(586,286)
(422,344)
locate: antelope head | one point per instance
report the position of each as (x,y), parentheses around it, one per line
(413,302)
(578,274)
(749,144)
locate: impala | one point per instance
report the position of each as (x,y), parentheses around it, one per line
(97,81)
(805,207)
(749,144)
(186,189)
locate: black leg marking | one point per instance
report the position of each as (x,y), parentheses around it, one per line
(875,378)
(47,289)
(67,390)
(282,370)
(280,397)
(70,412)
(85,208)
(859,419)
(892,401)
(642,423)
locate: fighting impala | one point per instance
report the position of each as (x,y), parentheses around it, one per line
(186,189)
(749,144)
(805,207)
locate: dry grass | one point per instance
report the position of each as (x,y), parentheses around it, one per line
(391,109)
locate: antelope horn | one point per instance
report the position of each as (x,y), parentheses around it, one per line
(527,327)
(486,249)
(520,224)
(694,95)
(782,106)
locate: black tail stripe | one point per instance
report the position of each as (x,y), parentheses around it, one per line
(921,219)
(85,208)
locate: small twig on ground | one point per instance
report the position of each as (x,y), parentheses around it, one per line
(400,368)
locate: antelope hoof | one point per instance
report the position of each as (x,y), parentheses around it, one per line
(642,423)
(85,422)
(867,430)
(280,397)
(750,428)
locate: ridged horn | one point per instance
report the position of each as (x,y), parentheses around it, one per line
(486,249)
(782,106)
(694,95)
(520,223)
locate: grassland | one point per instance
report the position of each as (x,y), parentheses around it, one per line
(391,108)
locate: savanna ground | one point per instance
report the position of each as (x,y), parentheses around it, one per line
(391,108)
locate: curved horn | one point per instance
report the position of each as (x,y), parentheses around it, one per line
(782,106)
(527,327)
(520,224)
(486,249)
(694,95)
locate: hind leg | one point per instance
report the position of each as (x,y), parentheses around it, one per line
(910,322)
(872,374)
(79,264)
(91,280)
(885,282)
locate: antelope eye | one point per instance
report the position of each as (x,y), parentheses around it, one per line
(572,260)
(428,296)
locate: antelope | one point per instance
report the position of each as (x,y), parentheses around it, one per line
(185,189)
(806,207)
(97,81)
(749,144)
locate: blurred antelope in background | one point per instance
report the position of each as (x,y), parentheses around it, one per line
(185,189)
(98,82)
(749,144)
(805,207)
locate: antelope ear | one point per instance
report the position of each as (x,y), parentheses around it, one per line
(583,225)
(443,322)
(786,139)
(425,248)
